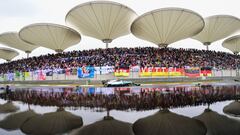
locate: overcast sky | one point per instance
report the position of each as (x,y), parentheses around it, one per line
(15,14)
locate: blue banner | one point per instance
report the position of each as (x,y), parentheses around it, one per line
(10,76)
(85,72)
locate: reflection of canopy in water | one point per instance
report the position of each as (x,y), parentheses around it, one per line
(107,126)
(52,36)
(12,39)
(103,20)
(167,25)
(8,107)
(165,122)
(219,124)
(7,53)
(52,123)
(217,27)
(233,44)
(14,121)
(233,108)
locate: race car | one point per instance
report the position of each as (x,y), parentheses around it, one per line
(118,83)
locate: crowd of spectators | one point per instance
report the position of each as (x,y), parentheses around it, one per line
(129,98)
(126,57)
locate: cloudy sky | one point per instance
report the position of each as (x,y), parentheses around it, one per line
(15,14)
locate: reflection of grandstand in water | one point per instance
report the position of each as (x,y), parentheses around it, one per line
(135,98)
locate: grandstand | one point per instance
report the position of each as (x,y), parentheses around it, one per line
(107,21)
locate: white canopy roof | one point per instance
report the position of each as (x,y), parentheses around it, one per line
(12,39)
(167,25)
(7,53)
(103,20)
(53,36)
(217,27)
(233,44)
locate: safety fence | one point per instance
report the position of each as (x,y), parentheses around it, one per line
(110,72)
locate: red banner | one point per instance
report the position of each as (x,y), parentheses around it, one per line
(206,72)
(192,71)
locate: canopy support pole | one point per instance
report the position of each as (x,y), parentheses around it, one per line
(107,41)
(207,44)
(27,52)
(106,45)
(108,114)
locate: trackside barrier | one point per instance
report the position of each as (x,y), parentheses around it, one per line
(106,73)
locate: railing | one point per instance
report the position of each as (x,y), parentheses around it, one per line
(33,76)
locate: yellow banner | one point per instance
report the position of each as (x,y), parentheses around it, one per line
(119,74)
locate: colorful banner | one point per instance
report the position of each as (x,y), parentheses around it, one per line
(49,72)
(68,71)
(19,76)
(161,71)
(39,74)
(2,77)
(192,71)
(85,72)
(104,70)
(121,72)
(27,75)
(10,77)
(73,71)
(55,71)
(134,68)
(206,71)
(175,71)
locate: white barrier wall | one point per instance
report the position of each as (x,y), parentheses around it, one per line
(106,76)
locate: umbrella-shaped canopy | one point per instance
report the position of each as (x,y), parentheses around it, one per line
(233,44)
(233,108)
(219,124)
(53,36)
(14,121)
(103,20)
(8,107)
(167,25)
(107,126)
(51,123)
(12,39)
(165,122)
(217,27)
(7,53)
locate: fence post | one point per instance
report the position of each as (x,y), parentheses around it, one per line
(65,74)
(32,75)
(52,74)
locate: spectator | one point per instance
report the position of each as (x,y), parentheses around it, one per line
(126,57)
